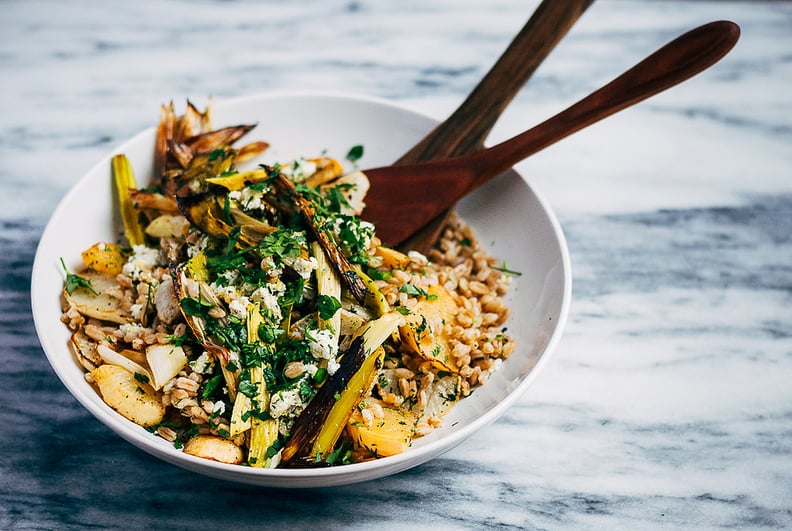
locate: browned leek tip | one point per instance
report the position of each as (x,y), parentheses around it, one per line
(124,179)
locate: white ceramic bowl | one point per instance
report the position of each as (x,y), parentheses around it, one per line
(510,219)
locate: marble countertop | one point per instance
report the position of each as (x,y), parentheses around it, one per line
(668,403)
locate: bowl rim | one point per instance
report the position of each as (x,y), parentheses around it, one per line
(311,477)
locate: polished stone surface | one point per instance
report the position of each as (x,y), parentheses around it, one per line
(668,403)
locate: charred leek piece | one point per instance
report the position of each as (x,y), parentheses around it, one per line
(237,181)
(374,300)
(358,388)
(206,212)
(319,426)
(307,210)
(263,432)
(207,142)
(327,285)
(124,179)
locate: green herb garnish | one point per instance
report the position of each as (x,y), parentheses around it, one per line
(75,281)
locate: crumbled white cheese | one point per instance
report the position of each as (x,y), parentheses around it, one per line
(131,328)
(285,403)
(197,247)
(141,262)
(238,307)
(249,198)
(218,408)
(268,301)
(203,364)
(303,266)
(323,344)
(269,266)
(135,311)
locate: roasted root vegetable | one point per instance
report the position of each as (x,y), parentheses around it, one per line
(381,430)
(96,299)
(214,448)
(425,332)
(318,428)
(107,258)
(132,398)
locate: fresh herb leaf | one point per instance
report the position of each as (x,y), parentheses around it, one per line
(505,269)
(75,281)
(327,306)
(210,386)
(355,153)
(195,307)
(403,310)
(142,378)
(248,388)
(409,289)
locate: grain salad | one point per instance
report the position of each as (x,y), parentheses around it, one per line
(253,317)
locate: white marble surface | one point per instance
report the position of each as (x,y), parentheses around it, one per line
(668,403)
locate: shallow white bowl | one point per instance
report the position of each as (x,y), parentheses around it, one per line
(510,219)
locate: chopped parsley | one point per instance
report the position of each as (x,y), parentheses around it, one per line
(75,281)
(327,306)
(409,289)
(355,153)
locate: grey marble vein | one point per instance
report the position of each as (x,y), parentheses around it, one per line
(668,404)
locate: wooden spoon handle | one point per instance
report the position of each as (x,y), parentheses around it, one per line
(675,62)
(465,130)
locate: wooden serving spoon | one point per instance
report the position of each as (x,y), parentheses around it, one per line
(403,199)
(465,130)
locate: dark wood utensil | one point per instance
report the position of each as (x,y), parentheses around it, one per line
(404,198)
(464,131)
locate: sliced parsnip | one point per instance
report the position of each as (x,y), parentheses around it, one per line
(133,399)
(214,448)
(424,332)
(168,226)
(385,435)
(99,303)
(85,347)
(165,362)
(107,258)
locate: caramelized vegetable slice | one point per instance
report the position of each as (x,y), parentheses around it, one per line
(321,423)
(383,430)
(97,300)
(214,448)
(239,180)
(425,332)
(216,215)
(108,258)
(343,267)
(124,179)
(134,399)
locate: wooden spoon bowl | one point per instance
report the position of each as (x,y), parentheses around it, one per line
(404,198)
